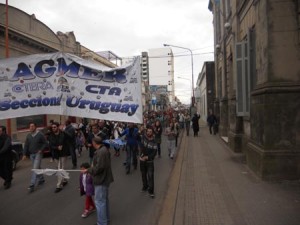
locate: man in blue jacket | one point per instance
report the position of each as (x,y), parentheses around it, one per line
(131,133)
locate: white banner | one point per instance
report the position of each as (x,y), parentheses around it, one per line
(64,84)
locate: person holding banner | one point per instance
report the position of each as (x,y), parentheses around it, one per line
(102,176)
(95,132)
(57,144)
(70,140)
(35,143)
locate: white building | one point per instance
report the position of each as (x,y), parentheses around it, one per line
(161,69)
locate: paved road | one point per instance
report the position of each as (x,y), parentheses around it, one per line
(128,205)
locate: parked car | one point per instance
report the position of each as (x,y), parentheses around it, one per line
(17,150)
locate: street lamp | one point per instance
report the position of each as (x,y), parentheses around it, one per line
(192,60)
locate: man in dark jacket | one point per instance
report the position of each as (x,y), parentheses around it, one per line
(102,177)
(148,153)
(95,132)
(195,123)
(59,147)
(35,144)
(5,157)
(212,122)
(70,139)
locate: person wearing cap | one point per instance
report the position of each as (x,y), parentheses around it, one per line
(6,169)
(102,177)
(59,147)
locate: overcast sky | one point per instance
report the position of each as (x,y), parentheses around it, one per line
(128,27)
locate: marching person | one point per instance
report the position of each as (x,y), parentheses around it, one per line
(148,152)
(212,121)
(95,132)
(131,134)
(70,140)
(195,123)
(34,146)
(6,169)
(171,133)
(187,120)
(57,143)
(158,133)
(102,175)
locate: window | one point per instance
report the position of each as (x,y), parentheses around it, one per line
(23,122)
(228,8)
(244,68)
(252,52)
(219,91)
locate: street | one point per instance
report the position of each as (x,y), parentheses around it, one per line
(128,205)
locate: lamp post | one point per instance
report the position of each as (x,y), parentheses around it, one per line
(192,60)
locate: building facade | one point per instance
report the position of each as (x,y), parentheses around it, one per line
(257,82)
(205,93)
(161,70)
(146,97)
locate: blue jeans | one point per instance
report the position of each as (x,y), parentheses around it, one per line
(36,160)
(102,204)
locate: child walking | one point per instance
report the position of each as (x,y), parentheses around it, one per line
(87,189)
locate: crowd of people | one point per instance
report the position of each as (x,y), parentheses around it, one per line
(143,145)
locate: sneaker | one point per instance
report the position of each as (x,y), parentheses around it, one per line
(151,195)
(31,188)
(85,214)
(92,210)
(57,190)
(64,183)
(7,185)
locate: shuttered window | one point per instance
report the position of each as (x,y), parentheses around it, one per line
(243,81)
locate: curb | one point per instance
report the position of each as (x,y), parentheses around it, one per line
(168,209)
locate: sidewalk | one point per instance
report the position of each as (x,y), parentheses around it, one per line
(211,185)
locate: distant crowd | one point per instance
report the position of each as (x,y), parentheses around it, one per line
(141,142)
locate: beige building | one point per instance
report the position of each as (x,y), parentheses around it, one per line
(257,82)
(27,35)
